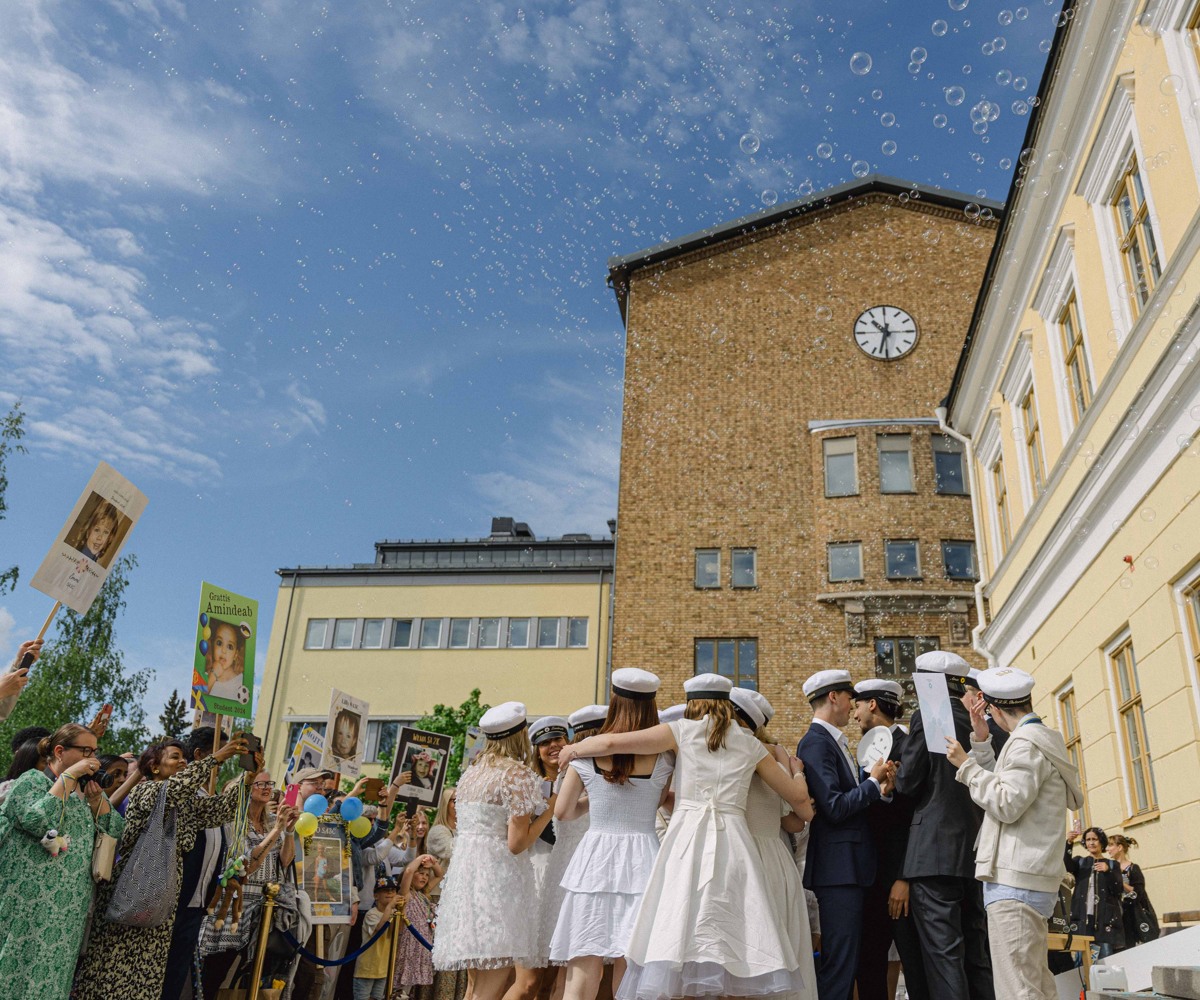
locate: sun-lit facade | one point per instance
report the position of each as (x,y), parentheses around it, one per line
(1079,390)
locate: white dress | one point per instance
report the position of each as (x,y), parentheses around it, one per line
(706,926)
(606,877)
(489,891)
(764,810)
(567,835)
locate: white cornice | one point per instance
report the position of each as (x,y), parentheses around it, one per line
(829,425)
(1105,161)
(1019,375)
(1058,277)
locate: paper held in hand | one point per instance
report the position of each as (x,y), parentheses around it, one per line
(875,746)
(937,718)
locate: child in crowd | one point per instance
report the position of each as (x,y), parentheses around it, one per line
(97,535)
(371,969)
(414,963)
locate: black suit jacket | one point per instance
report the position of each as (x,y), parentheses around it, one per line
(945,823)
(890,822)
(840,851)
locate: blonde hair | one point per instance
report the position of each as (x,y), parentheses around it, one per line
(720,718)
(515,747)
(442,816)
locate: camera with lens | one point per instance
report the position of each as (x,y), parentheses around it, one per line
(101,778)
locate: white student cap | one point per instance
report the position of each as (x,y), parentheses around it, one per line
(824,681)
(879,689)
(1006,687)
(764,706)
(630,682)
(942,661)
(547,728)
(503,720)
(710,686)
(747,710)
(972,679)
(586,719)
(672,713)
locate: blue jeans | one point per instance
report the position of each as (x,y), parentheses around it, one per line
(369,989)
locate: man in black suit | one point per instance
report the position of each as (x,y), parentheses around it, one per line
(840,863)
(886,914)
(939,865)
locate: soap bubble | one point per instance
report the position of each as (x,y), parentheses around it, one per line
(824,313)
(769,197)
(1005,17)
(1005,163)
(1019,84)
(972,211)
(999,43)
(1147,514)
(939,121)
(889,148)
(860,64)
(876,94)
(939,27)
(887,119)
(824,150)
(860,168)
(958,4)
(918,55)
(1020,108)
(1022,13)
(955,95)
(1171,85)
(1004,77)
(985,111)
(915,67)
(750,143)
(987,48)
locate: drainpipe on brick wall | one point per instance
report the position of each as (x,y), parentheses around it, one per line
(977,642)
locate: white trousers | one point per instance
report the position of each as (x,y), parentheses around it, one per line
(1017,935)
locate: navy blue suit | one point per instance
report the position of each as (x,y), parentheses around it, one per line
(841,861)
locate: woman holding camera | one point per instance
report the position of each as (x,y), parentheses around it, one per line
(1096,902)
(45,890)
(129,963)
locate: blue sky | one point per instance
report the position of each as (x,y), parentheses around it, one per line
(315,274)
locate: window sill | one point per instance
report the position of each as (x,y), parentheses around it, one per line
(697,586)
(1140,818)
(897,493)
(849,579)
(841,496)
(904,579)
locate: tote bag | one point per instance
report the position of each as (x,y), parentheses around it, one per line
(146,891)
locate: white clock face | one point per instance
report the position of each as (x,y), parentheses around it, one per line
(885,332)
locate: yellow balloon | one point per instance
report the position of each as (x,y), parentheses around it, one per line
(306,825)
(360,827)
(207,633)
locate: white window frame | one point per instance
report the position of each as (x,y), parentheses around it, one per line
(962,464)
(880,440)
(839,448)
(1059,283)
(1114,707)
(986,452)
(355,628)
(943,542)
(470,633)
(704,553)
(829,547)
(733,553)
(441,634)
(586,632)
(1015,386)
(1168,19)
(500,632)
(1180,589)
(413,630)
(1116,140)
(508,632)
(362,638)
(326,636)
(916,544)
(558,630)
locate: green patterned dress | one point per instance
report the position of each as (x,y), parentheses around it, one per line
(44,900)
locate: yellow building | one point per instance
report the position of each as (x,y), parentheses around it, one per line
(521,618)
(1079,391)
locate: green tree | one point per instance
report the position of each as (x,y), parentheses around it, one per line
(174,720)
(81,669)
(454,722)
(12,429)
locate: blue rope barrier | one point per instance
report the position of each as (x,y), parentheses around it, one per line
(332,962)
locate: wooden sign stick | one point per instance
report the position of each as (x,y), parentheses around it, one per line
(212,777)
(27,659)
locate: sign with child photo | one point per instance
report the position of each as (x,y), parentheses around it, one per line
(421,762)
(223,669)
(78,562)
(345,734)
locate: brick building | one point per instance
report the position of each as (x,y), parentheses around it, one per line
(787,502)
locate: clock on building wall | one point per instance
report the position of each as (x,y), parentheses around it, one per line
(885,332)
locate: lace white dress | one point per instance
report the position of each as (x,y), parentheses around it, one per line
(606,877)
(706,925)
(489,892)
(567,835)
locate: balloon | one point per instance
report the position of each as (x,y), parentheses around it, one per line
(316,804)
(206,633)
(360,827)
(204,620)
(203,648)
(306,825)
(352,808)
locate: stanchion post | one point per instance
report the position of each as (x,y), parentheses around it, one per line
(394,949)
(268,909)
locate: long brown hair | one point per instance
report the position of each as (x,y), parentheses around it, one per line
(720,718)
(627,715)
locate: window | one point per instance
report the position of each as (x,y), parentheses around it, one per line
(948,474)
(745,567)
(1000,500)
(460,633)
(895,463)
(897,655)
(1075,361)
(547,633)
(402,633)
(1138,773)
(958,560)
(841,466)
(381,738)
(1033,444)
(1068,720)
(518,633)
(343,633)
(1139,252)
(372,634)
(431,633)
(577,633)
(736,659)
(708,568)
(314,637)
(489,633)
(845,561)
(902,560)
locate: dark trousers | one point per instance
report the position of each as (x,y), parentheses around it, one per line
(952,926)
(841,908)
(185,935)
(879,930)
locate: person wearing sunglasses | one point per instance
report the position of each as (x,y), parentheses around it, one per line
(45,883)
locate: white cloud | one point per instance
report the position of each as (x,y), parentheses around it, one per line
(7,646)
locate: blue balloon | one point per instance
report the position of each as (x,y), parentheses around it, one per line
(203,619)
(352,808)
(204,647)
(316,804)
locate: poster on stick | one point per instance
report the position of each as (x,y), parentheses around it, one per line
(325,871)
(421,761)
(310,747)
(223,668)
(345,735)
(79,560)
(937,718)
